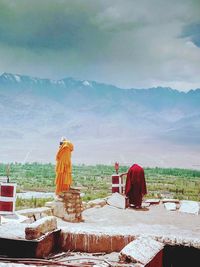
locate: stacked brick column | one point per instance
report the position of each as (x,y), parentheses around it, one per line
(69,206)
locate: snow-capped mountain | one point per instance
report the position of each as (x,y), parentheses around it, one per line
(106,123)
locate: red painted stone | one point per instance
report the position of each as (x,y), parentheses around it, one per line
(6,206)
(157,261)
(7,197)
(7,190)
(117,184)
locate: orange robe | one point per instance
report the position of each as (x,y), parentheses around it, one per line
(63,167)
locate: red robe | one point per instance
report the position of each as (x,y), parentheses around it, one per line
(135,187)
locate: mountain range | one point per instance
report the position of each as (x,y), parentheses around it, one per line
(154,127)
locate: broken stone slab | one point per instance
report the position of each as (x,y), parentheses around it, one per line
(40,227)
(145,205)
(13,230)
(97,202)
(189,206)
(14,218)
(142,250)
(172,200)
(179,240)
(152,201)
(6,264)
(170,206)
(117,200)
(35,213)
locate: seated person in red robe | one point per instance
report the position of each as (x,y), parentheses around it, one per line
(135,187)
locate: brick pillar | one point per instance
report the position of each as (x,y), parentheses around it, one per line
(69,206)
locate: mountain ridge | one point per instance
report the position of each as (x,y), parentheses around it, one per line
(8,77)
(92,114)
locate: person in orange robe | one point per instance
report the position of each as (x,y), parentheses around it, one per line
(63,166)
(135,187)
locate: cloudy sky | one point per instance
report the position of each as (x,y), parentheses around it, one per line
(128,43)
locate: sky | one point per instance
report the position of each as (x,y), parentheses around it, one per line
(127,43)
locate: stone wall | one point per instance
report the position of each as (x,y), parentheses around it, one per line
(93,242)
(40,227)
(69,206)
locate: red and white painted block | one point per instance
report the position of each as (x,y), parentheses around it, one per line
(117,184)
(7,198)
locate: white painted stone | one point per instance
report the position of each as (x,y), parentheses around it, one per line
(40,227)
(152,201)
(145,204)
(59,209)
(117,200)
(141,250)
(10,264)
(189,206)
(6,218)
(97,202)
(173,200)
(14,230)
(170,206)
(33,211)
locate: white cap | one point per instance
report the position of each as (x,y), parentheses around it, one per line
(63,138)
